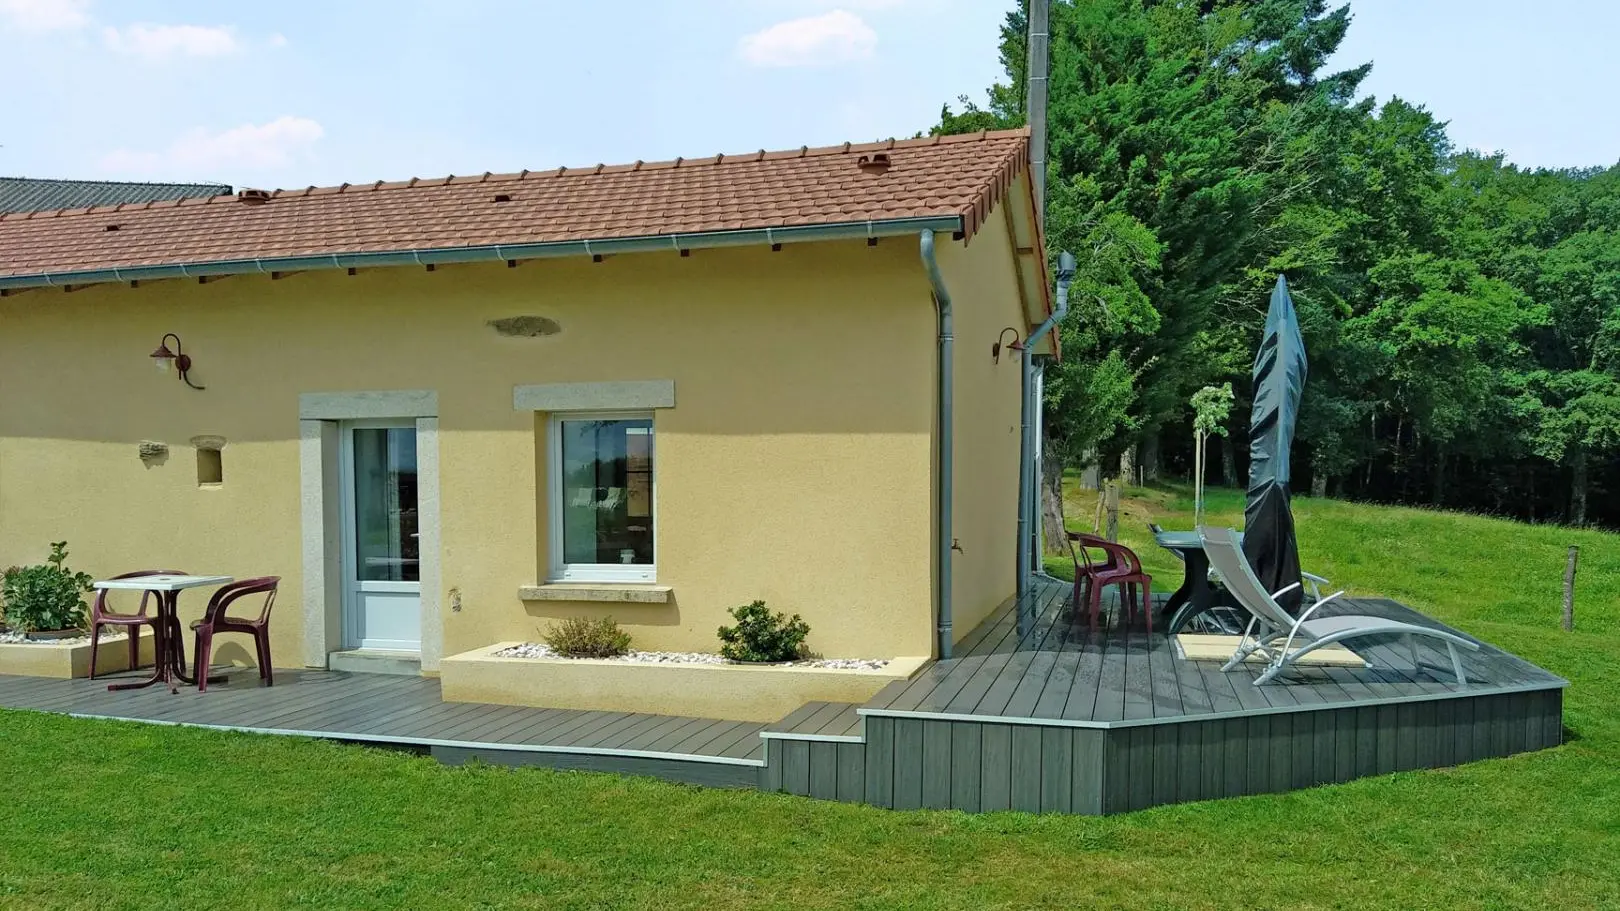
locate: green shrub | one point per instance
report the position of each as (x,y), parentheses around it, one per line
(583,637)
(762,636)
(45,597)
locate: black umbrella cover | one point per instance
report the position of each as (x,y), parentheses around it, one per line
(1279,382)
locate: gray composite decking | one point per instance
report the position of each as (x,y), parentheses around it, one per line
(1063,674)
(1066,720)
(407,711)
(1059,720)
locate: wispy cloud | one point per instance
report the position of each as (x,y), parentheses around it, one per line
(45,15)
(162,42)
(839,36)
(204,153)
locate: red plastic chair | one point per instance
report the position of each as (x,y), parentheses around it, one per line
(1090,561)
(216,620)
(1123,568)
(100,616)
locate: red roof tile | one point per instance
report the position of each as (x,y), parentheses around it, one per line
(951,176)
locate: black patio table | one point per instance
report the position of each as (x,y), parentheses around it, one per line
(1195,595)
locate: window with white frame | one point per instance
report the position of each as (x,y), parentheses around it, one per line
(601,499)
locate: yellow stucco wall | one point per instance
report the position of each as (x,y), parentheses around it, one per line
(983,283)
(796,466)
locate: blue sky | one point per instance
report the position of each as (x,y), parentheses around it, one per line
(1537,79)
(292,92)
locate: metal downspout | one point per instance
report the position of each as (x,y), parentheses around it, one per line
(1025,473)
(1028,498)
(1037,464)
(945,484)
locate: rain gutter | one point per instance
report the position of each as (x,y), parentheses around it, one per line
(429,256)
(1028,489)
(944,484)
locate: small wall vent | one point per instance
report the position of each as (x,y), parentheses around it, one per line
(210,460)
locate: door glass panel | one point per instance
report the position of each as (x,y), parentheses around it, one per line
(607,491)
(385,505)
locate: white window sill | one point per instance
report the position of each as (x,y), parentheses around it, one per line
(617,592)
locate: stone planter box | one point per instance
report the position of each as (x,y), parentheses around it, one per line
(735,692)
(69,658)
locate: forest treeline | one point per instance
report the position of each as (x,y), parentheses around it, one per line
(1461,313)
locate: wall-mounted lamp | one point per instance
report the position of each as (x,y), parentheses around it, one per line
(995,349)
(177,359)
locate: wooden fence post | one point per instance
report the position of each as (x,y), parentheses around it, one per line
(1113,510)
(1569,587)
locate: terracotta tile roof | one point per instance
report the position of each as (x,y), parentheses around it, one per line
(952,176)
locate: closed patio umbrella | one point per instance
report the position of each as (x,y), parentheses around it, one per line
(1279,382)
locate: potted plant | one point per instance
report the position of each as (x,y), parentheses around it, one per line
(761,637)
(45,601)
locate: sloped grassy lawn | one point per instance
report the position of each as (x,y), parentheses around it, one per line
(113,815)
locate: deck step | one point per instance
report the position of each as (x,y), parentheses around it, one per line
(832,722)
(375,661)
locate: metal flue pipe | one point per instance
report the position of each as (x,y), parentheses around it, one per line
(1036,68)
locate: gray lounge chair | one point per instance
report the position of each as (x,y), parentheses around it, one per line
(1313,582)
(1270,622)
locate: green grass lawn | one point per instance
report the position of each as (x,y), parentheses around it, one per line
(113,815)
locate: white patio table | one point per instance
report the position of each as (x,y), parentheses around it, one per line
(169,646)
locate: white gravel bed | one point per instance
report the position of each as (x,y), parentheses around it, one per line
(541,650)
(10,638)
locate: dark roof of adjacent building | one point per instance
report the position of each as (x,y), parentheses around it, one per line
(954,177)
(23,194)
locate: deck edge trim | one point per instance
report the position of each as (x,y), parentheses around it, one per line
(1212,716)
(818,738)
(433,742)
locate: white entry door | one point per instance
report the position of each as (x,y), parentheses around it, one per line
(382,590)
